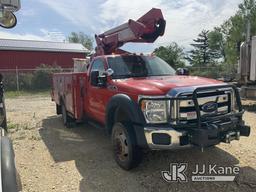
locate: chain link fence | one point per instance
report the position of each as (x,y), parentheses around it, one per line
(37,79)
(215,72)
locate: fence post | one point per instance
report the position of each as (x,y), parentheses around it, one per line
(17,79)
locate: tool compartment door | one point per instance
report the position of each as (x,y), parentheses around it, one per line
(79,80)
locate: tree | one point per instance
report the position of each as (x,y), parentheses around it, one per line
(234,34)
(222,44)
(173,54)
(201,55)
(216,44)
(82,38)
(247,5)
(235,28)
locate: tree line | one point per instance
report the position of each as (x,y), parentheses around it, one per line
(217,48)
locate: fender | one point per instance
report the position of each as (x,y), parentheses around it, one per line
(125,103)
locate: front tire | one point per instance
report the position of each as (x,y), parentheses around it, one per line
(126,152)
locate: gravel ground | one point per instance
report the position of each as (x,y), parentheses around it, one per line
(50,157)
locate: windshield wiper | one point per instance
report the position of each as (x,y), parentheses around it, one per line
(121,76)
(129,76)
(138,75)
(162,75)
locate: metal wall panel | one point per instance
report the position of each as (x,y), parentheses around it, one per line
(253,60)
(32,59)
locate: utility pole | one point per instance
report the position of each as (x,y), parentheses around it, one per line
(17,79)
(248,46)
(248,26)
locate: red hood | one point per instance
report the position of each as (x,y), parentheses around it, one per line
(160,85)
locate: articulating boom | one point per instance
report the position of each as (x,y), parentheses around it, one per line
(145,30)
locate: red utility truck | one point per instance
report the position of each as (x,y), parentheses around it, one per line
(142,102)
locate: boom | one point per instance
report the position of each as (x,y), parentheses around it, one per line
(145,30)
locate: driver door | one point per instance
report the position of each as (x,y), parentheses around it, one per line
(96,105)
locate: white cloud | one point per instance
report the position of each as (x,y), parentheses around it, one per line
(53,35)
(27,12)
(185,18)
(27,36)
(80,13)
(45,35)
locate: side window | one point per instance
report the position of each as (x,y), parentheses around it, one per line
(98,65)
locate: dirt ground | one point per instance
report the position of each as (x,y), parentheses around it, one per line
(50,157)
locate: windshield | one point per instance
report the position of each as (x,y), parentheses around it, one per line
(139,66)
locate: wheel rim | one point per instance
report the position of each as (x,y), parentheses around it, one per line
(121,145)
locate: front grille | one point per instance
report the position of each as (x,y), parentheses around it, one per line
(186,109)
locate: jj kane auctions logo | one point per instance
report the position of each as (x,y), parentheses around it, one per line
(178,173)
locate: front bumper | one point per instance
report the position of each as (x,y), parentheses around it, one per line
(163,138)
(210,134)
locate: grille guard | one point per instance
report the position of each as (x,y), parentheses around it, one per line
(210,130)
(200,89)
(200,121)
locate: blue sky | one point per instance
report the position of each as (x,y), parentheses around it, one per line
(53,20)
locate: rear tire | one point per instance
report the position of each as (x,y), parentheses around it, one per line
(67,120)
(58,109)
(126,152)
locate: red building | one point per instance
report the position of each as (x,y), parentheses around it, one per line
(27,54)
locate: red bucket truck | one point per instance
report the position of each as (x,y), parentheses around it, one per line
(141,101)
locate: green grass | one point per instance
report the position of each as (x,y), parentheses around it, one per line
(12,125)
(14,94)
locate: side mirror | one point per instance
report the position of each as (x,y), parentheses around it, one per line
(109,72)
(1,77)
(182,71)
(94,78)
(97,80)
(102,80)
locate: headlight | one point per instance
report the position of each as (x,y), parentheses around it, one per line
(155,111)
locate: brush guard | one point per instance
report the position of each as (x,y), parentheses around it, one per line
(206,130)
(222,128)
